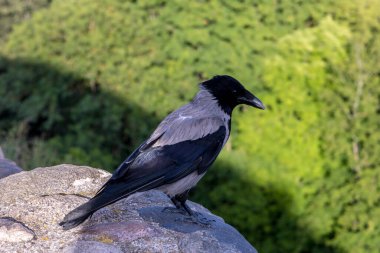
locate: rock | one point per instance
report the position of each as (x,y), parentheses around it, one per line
(91,247)
(7,167)
(35,202)
(14,231)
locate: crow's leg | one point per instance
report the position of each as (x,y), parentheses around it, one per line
(178,206)
(187,209)
(195,217)
(176,202)
(180,202)
(181,207)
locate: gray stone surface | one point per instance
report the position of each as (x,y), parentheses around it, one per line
(7,167)
(14,231)
(36,201)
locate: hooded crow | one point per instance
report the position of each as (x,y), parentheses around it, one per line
(178,153)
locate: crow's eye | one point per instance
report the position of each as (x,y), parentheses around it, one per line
(234,91)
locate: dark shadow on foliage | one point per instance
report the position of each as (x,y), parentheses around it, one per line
(260,212)
(77,120)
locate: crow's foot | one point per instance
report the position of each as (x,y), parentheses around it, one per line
(198,219)
(170,209)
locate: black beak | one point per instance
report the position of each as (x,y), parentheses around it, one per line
(250,99)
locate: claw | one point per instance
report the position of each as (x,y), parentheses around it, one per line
(196,218)
(188,215)
(170,209)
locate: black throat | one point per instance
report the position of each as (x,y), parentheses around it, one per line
(226,108)
(226,103)
(224,90)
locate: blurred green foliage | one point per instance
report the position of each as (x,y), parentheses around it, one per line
(86,81)
(13,12)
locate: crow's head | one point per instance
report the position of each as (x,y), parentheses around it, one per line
(229,92)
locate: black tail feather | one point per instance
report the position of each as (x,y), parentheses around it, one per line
(111,192)
(76,217)
(102,199)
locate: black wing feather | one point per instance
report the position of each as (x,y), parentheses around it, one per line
(174,161)
(123,168)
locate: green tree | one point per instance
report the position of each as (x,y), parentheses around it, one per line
(13,12)
(350,139)
(88,80)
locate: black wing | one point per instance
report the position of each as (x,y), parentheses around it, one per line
(156,166)
(123,168)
